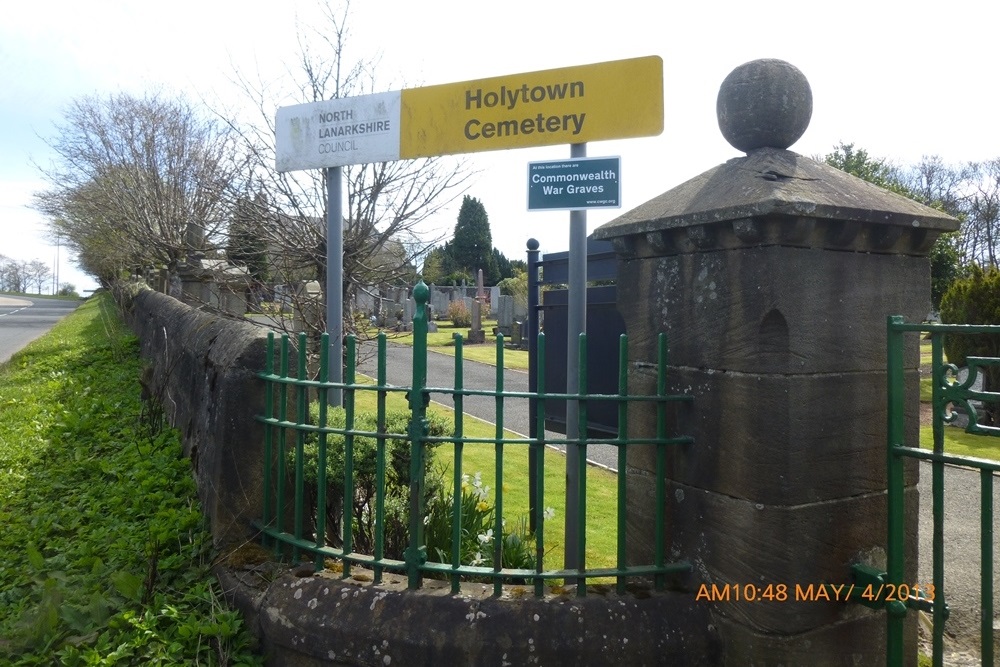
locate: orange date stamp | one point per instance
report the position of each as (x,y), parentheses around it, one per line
(750,592)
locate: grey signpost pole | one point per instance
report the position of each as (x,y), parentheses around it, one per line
(335,278)
(576,324)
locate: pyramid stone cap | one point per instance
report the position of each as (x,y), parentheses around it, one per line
(777,196)
(774,196)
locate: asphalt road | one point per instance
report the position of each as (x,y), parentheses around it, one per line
(24,318)
(962,504)
(441,373)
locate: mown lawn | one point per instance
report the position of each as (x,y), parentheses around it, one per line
(104,559)
(956,440)
(443,341)
(602,490)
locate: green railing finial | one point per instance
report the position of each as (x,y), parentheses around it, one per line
(421,292)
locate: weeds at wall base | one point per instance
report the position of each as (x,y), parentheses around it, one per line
(104,557)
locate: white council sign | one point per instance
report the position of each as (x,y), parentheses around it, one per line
(338,132)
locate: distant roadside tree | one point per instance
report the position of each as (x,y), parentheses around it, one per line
(131,174)
(39,274)
(14,276)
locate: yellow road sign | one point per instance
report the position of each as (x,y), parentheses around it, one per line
(570,105)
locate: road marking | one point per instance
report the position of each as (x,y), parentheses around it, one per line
(15,311)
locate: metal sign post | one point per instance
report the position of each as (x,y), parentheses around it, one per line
(335,279)
(576,324)
(574,105)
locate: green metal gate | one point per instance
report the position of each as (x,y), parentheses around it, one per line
(291,431)
(895,593)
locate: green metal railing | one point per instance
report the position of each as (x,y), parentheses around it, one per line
(946,391)
(286,439)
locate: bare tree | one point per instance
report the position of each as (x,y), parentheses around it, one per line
(131,175)
(13,275)
(387,202)
(981,228)
(38,274)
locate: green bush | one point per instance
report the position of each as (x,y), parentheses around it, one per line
(478,513)
(397,477)
(459,314)
(477,547)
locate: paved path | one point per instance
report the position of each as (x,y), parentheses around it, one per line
(23,319)
(961,548)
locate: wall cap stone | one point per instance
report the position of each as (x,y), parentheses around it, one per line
(770,187)
(307,618)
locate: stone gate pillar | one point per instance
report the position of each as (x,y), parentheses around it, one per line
(773,275)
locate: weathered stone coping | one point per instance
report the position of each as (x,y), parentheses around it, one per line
(775,196)
(305,618)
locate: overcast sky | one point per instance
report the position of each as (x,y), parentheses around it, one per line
(896,78)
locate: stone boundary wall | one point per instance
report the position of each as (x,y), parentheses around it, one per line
(202,368)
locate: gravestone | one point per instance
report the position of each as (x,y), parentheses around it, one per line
(439,301)
(773,276)
(364,300)
(308,306)
(493,294)
(476,334)
(505,314)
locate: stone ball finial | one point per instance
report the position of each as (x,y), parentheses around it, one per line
(764,103)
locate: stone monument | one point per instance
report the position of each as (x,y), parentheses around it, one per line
(773,276)
(476,334)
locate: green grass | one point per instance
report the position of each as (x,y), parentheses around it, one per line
(925,353)
(104,559)
(443,341)
(956,440)
(41,296)
(602,490)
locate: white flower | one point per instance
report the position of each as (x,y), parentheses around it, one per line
(487,537)
(478,560)
(427,520)
(549,513)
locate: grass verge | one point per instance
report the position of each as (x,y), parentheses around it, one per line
(104,558)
